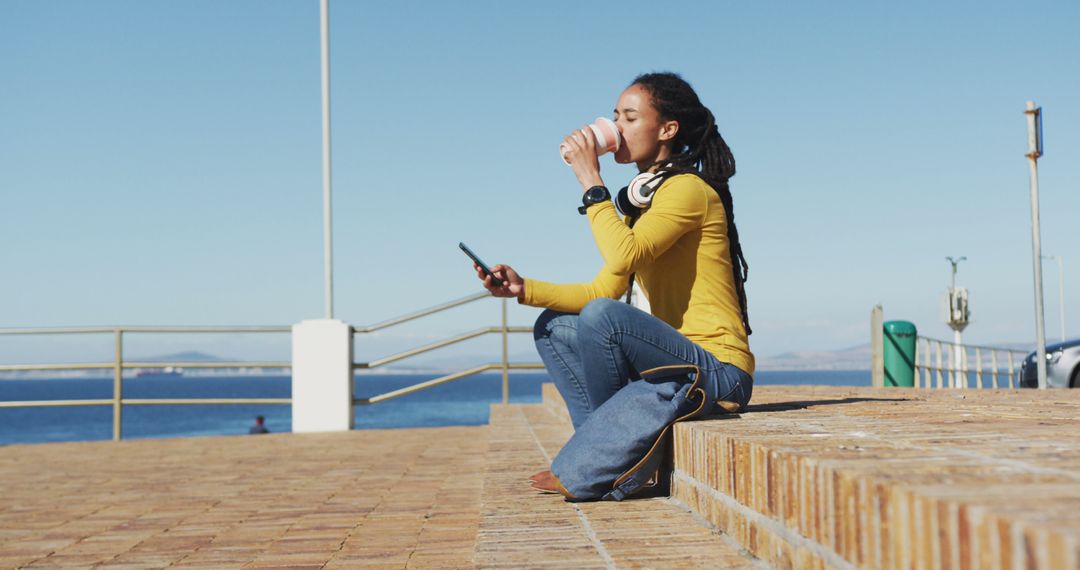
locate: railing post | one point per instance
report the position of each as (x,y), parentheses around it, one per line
(958,366)
(951,361)
(877,347)
(928,379)
(915,361)
(118,381)
(322,376)
(964,367)
(993,368)
(919,382)
(1011,369)
(938,370)
(978,368)
(505,357)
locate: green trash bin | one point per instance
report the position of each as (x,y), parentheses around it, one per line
(900,353)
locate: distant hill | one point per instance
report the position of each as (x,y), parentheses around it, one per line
(187,356)
(853,358)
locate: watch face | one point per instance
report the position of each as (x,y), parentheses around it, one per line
(596,194)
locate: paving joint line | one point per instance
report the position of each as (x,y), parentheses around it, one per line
(81,540)
(589,531)
(181,521)
(363,520)
(349,534)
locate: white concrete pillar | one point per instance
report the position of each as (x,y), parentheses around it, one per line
(322,376)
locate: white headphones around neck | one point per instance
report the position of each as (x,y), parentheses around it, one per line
(637,195)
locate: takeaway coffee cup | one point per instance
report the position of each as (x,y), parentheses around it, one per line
(608,138)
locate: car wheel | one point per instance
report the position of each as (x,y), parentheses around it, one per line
(1074,382)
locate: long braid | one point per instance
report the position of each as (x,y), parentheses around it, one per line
(699,149)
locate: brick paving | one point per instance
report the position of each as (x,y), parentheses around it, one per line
(414,498)
(372,498)
(810,477)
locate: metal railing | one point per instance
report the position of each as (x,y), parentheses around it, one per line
(944,364)
(504,365)
(119,365)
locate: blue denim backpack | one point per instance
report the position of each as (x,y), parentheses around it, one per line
(619,449)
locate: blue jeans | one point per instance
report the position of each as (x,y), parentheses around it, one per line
(591,355)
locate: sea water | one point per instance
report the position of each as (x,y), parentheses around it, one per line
(464,402)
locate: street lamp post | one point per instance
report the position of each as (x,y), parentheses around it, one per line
(328,218)
(1061,292)
(1035,150)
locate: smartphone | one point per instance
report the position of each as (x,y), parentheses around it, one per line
(483,266)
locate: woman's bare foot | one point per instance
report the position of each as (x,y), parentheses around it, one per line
(545,481)
(540,475)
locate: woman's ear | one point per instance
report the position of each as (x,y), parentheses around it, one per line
(668,130)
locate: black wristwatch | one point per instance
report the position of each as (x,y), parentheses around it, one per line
(593,195)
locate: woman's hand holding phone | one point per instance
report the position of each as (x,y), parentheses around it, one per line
(512,283)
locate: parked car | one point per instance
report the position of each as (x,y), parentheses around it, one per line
(1062,366)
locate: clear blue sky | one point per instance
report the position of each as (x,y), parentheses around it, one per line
(160,162)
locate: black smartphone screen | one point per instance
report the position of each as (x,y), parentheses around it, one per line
(483,266)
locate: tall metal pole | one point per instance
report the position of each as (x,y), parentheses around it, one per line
(328,218)
(1036,242)
(1061,293)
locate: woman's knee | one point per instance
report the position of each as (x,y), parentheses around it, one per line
(545,323)
(597,311)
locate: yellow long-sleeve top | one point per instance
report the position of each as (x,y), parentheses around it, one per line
(679,250)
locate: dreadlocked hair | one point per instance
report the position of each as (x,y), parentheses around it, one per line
(699,149)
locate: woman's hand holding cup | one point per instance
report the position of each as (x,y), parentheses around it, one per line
(581,148)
